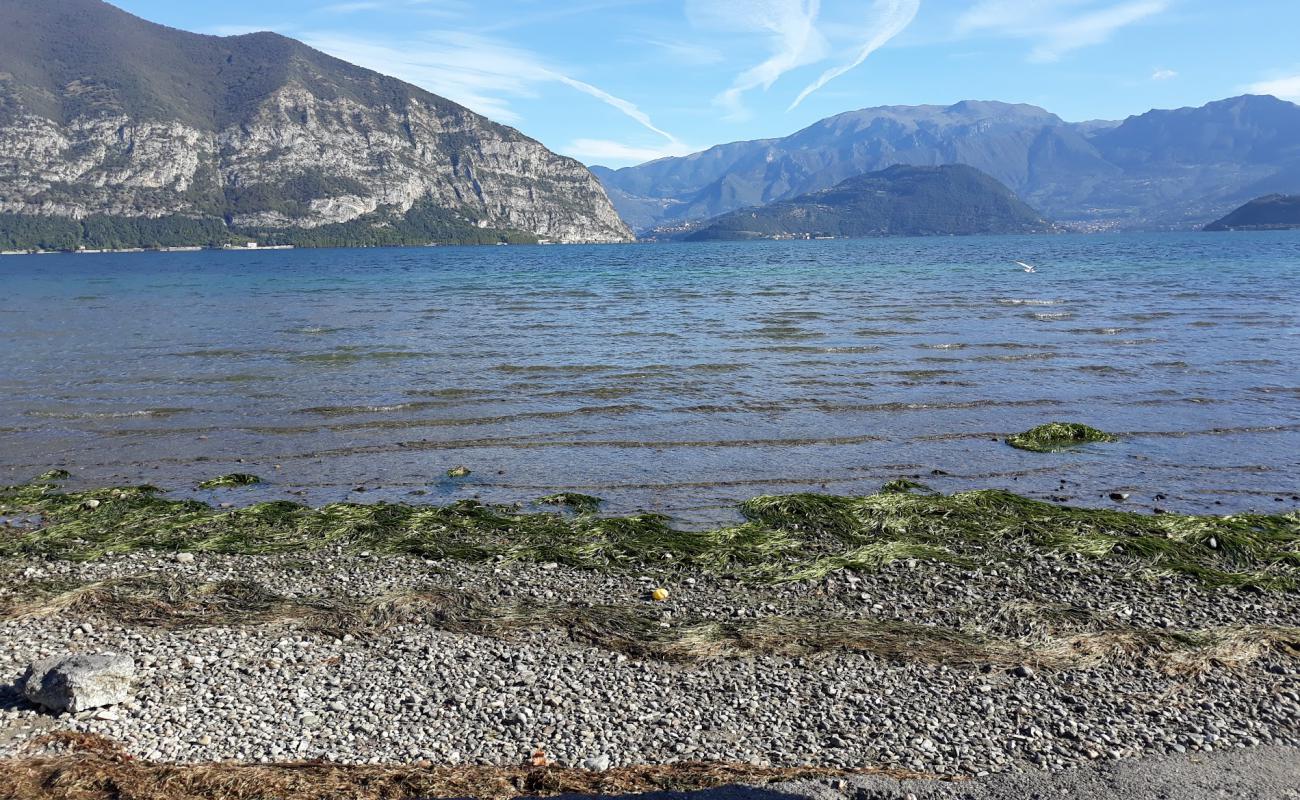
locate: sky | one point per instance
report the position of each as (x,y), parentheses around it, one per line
(620,82)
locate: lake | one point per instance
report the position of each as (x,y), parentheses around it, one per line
(674,378)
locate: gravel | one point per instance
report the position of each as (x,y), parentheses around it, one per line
(271,693)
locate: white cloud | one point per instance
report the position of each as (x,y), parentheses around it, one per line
(603,151)
(1164,75)
(1057,27)
(790,26)
(1285,88)
(889,18)
(475,71)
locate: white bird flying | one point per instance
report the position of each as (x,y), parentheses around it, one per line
(1028,267)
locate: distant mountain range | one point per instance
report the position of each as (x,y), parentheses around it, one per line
(115,131)
(1162,169)
(951,200)
(1272,213)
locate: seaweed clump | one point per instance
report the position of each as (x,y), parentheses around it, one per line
(230,481)
(581,503)
(1056,436)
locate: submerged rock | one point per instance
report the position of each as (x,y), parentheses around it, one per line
(79,682)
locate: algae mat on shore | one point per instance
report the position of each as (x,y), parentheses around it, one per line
(787,537)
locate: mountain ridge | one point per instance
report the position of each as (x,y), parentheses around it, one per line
(1089,175)
(1273,212)
(104,113)
(901,200)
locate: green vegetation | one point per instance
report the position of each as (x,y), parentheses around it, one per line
(20,232)
(459,472)
(423,224)
(291,196)
(1058,436)
(784,538)
(905,485)
(581,503)
(230,481)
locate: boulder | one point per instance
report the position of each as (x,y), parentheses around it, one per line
(79,682)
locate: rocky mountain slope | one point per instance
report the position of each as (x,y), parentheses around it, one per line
(1272,213)
(950,200)
(105,114)
(1161,169)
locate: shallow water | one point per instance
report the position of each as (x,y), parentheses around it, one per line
(677,378)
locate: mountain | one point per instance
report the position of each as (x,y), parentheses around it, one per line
(1271,213)
(109,117)
(949,200)
(1158,170)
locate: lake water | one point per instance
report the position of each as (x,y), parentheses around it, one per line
(678,378)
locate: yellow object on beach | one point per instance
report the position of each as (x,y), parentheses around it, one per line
(659,595)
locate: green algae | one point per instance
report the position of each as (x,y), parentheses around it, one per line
(581,503)
(783,538)
(1056,436)
(905,485)
(458,472)
(54,475)
(230,481)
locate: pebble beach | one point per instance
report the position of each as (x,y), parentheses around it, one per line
(275,690)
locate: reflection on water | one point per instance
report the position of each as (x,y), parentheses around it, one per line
(674,378)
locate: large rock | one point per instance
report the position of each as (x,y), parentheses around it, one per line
(78,682)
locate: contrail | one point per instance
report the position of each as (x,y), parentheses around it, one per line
(617,102)
(895,15)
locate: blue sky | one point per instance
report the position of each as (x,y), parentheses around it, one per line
(619,82)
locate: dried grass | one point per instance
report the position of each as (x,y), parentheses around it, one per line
(93,768)
(1053,638)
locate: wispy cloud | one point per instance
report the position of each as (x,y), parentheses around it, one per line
(889,18)
(1057,27)
(475,71)
(1287,88)
(687,53)
(604,151)
(1164,75)
(790,26)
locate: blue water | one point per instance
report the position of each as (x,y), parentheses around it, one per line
(678,378)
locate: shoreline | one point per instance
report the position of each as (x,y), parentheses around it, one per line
(353,653)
